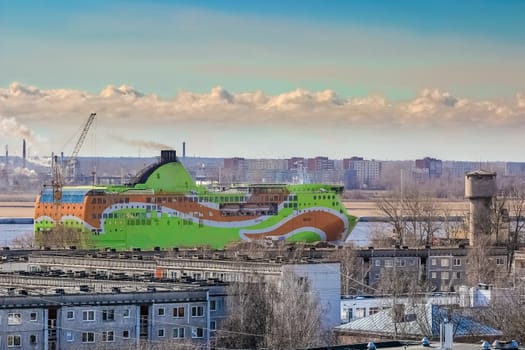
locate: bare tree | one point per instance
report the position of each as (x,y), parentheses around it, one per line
(353,270)
(27,240)
(267,314)
(61,237)
(516,208)
(481,268)
(249,314)
(391,206)
(413,216)
(296,316)
(181,344)
(505,312)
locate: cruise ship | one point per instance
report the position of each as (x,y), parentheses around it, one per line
(164,207)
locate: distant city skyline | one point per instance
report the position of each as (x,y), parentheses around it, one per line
(383,80)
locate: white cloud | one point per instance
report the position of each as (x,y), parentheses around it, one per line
(129,116)
(28,103)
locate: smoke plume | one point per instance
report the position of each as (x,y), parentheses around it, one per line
(143,143)
(11,127)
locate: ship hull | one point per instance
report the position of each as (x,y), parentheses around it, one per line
(164,208)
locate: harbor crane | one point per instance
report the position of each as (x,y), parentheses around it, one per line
(71,165)
(70,169)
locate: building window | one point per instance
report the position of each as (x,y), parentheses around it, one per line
(457,262)
(32,339)
(88,315)
(161,311)
(69,337)
(197,332)
(433,261)
(213,305)
(178,311)
(360,312)
(178,332)
(349,314)
(377,262)
(213,325)
(388,263)
(125,334)
(373,310)
(458,275)
(32,316)
(161,332)
(14,318)
(445,275)
(14,341)
(88,337)
(400,262)
(434,275)
(444,262)
(108,336)
(197,311)
(499,261)
(70,315)
(126,313)
(108,315)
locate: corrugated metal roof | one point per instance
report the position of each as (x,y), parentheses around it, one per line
(419,320)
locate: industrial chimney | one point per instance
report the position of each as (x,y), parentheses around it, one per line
(184,150)
(24,153)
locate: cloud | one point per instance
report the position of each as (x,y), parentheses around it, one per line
(300,108)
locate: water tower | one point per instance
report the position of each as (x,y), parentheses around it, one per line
(480,189)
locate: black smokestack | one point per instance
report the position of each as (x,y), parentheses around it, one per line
(167,156)
(24,153)
(184,150)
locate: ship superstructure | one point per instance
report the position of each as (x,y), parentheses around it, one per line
(163,207)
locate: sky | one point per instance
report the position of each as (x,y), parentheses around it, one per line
(386,80)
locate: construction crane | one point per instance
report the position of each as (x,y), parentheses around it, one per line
(57,183)
(72,161)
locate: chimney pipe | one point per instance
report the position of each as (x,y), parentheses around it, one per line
(184,150)
(24,153)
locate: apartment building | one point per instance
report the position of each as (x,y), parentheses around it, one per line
(324,278)
(445,269)
(82,317)
(361,173)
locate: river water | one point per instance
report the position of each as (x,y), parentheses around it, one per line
(10,232)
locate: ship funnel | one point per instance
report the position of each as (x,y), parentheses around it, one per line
(168,156)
